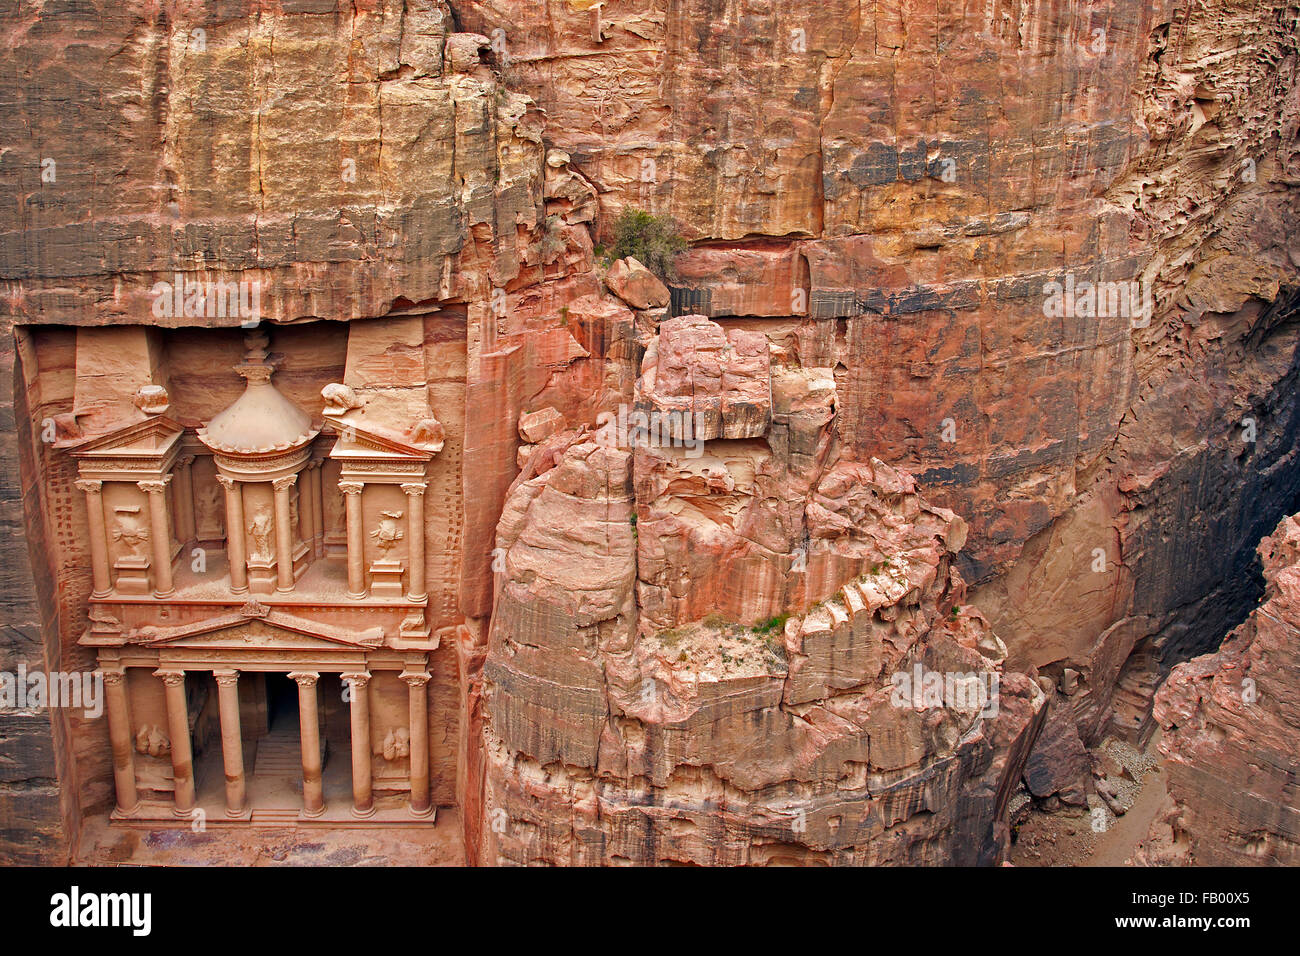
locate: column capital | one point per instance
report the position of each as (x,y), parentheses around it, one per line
(351,487)
(112,674)
(185,461)
(359,679)
(285,483)
(228,483)
(170,677)
(154,486)
(415,488)
(415,678)
(228,678)
(304,678)
(91,486)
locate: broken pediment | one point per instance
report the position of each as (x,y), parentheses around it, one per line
(356,441)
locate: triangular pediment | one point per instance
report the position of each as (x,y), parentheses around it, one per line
(269,630)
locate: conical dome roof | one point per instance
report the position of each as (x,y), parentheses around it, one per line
(262,419)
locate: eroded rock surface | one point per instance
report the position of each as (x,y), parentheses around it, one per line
(692,658)
(1230,723)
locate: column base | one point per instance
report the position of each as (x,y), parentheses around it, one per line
(280,590)
(160,595)
(358,596)
(245,814)
(121,813)
(417,598)
(235,590)
(102,594)
(184,814)
(312,814)
(364,814)
(426,812)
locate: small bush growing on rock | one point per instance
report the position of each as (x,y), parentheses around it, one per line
(652,240)
(772,624)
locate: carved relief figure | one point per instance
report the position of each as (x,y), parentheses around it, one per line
(152,741)
(389,532)
(259,535)
(397,744)
(208,510)
(129,531)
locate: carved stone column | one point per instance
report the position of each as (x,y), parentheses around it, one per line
(363,804)
(415,539)
(307,510)
(235,547)
(119,735)
(418,697)
(356,539)
(283,534)
(184,499)
(317,504)
(178,728)
(99,563)
(313,797)
(232,740)
(159,535)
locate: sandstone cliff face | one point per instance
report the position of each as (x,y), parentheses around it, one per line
(1230,721)
(639,709)
(878,195)
(912,176)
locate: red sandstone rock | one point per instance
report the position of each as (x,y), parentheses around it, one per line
(890,299)
(1230,722)
(636,285)
(719,380)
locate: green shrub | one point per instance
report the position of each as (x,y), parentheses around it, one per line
(772,624)
(652,240)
